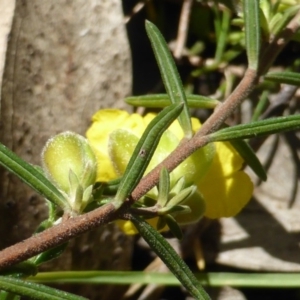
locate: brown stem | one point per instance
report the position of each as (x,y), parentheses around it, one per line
(56,235)
(73,227)
(224,110)
(149,212)
(187,147)
(218,117)
(183,28)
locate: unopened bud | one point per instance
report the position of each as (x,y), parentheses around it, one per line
(70,163)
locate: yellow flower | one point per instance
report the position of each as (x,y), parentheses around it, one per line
(217,173)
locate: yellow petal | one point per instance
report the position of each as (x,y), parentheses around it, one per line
(228,158)
(104,122)
(148,118)
(106,171)
(226,190)
(135,124)
(98,135)
(121,145)
(128,228)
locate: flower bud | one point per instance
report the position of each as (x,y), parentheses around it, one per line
(122,143)
(69,162)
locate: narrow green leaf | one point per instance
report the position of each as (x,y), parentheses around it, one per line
(170,76)
(265,15)
(258,128)
(285,18)
(252,32)
(217,18)
(222,35)
(161,223)
(231,54)
(105,188)
(49,254)
(163,100)
(273,21)
(284,77)
(250,158)
(212,279)
(266,8)
(34,290)
(178,209)
(174,227)
(23,269)
(261,105)
(172,260)
(180,197)
(31,176)
(179,185)
(145,150)
(164,187)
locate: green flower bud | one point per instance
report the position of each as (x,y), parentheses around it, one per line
(122,142)
(70,163)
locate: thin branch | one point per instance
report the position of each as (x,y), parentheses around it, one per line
(223,111)
(183,28)
(187,147)
(73,227)
(56,235)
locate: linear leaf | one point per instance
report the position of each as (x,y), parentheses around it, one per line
(250,158)
(258,128)
(163,100)
(49,254)
(212,279)
(173,226)
(34,290)
(170,75)
(164,187)
(284,77)
(31,176)
(252,32)
(144,150)
(223,35)
(261,105)
(172,260)
(285,18)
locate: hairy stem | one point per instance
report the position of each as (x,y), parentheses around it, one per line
(56,235)
(187,147)
(73,227)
